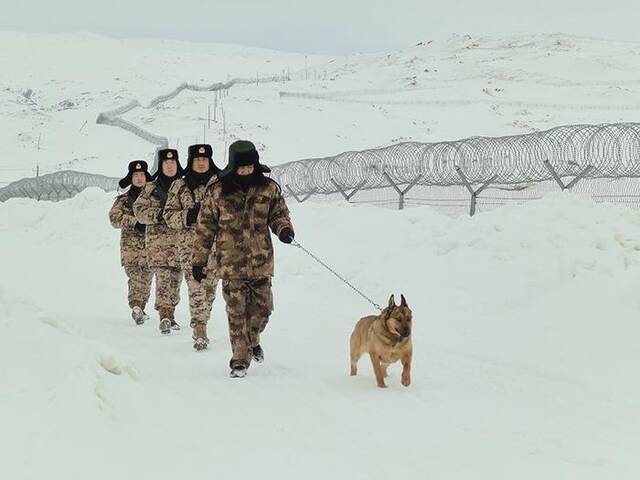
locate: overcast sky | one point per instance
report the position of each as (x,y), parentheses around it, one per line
(326,26)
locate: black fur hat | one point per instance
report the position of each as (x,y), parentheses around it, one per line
(243,153)
(201,150)
(168,154)
(135,166)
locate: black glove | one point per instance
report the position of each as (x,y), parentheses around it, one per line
(140,227)
(286,235)
(198,273)
(192,214)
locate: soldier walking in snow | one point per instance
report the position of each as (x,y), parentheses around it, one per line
(236,215)
(133,253)
(162,241)
(181,213)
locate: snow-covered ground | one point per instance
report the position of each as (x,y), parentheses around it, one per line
(527,349)
(526,365)
(432,91)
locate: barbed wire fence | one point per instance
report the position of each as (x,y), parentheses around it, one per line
(57,186)
(472,174)
(518,167)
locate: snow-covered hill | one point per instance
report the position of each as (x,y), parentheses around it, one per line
(52,84)
(526,352)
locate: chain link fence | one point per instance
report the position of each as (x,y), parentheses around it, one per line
(455,200)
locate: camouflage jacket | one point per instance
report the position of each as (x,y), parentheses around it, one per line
(161,241)
(132,247)
(181,199)
(237,226)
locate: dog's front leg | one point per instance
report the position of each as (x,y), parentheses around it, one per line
(406,369)
(377,369)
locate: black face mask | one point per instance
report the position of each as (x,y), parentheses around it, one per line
(246,181)
(234,182)
(165,182)
(195,179)
(134,191)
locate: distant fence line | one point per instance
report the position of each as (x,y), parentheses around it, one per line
(113,117)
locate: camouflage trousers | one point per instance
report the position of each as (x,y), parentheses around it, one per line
(139,285)
(201,296)
(249,305)
(168,281)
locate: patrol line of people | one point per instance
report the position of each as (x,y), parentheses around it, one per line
(206,225)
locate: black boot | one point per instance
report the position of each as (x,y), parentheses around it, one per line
(165,326)
(258,354)
(138,315)
(238,371)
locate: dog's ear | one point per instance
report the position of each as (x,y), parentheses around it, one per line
(403,301)
(392,301)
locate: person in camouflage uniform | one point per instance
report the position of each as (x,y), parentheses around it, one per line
(133,254)
(181,213)
(160,240)
(236,215)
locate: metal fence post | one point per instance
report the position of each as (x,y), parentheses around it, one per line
(573,182)
(401,193)
(293,194)
(579,177)
(474,193)
(348,196)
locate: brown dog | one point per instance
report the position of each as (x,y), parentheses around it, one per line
(387,339)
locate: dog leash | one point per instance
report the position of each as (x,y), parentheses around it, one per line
(297,244)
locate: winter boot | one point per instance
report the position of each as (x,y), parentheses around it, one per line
(165,326)
(238,372)
(174,325)
(257,353)
(201,341)
(138,315)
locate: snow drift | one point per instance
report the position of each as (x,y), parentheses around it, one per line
(526,351)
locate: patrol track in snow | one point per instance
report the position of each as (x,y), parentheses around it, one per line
(342,97)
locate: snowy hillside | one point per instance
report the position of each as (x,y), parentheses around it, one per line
(53,84)
(526,352)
